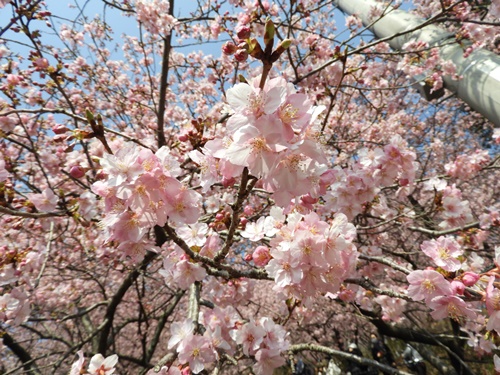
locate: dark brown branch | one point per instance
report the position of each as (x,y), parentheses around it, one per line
(167,46)
(28,363)
(116,300)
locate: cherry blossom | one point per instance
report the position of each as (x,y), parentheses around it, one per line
(427,284)
(99,365)
(444,252)
(46,201)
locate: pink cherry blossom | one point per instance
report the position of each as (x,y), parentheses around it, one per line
(179,331)
(250,336)
(444,252)
(450,307)
(427,284)
(261,256)
(267,361)
(249,100)
(46,201)
(194,234)
(493,306)
(102,366)
(77,366)
(196,351)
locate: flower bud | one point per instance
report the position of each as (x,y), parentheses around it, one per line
(76,171)
(243,221)
(59,129)
(241,55)
(458,287)
(228,48)
(470,278)
(60,138)
(243,32)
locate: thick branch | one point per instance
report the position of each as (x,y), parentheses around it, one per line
(167,46)
(28,363)
(117,298)
(32,215)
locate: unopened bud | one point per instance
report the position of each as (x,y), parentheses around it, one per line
(60,138)
(243,32)
(229,48)
(470,278)
(243,45)
(458,287)
(241,55)
(76,171)
(59,129)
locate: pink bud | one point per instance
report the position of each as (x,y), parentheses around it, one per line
(241,55)
(59,129)
(458,287)
(60,138)
(183,138)
(470,278)
(76,171)
(307,199)
(404,182)
(243,32)
(248,257)
(243,221)
(219,216)
(227,182)
(228,48)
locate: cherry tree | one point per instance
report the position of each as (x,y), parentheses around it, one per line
(227,186)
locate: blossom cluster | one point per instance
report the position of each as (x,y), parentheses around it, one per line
(262,339)
(310,256)
(154,16)
(467,166)
(351,188)
(271,133)
(455,211)
(142,190)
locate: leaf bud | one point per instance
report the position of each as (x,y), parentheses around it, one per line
(269,33)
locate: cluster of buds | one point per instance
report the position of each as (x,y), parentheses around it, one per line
(222,221)
(247,46)
(195,134)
